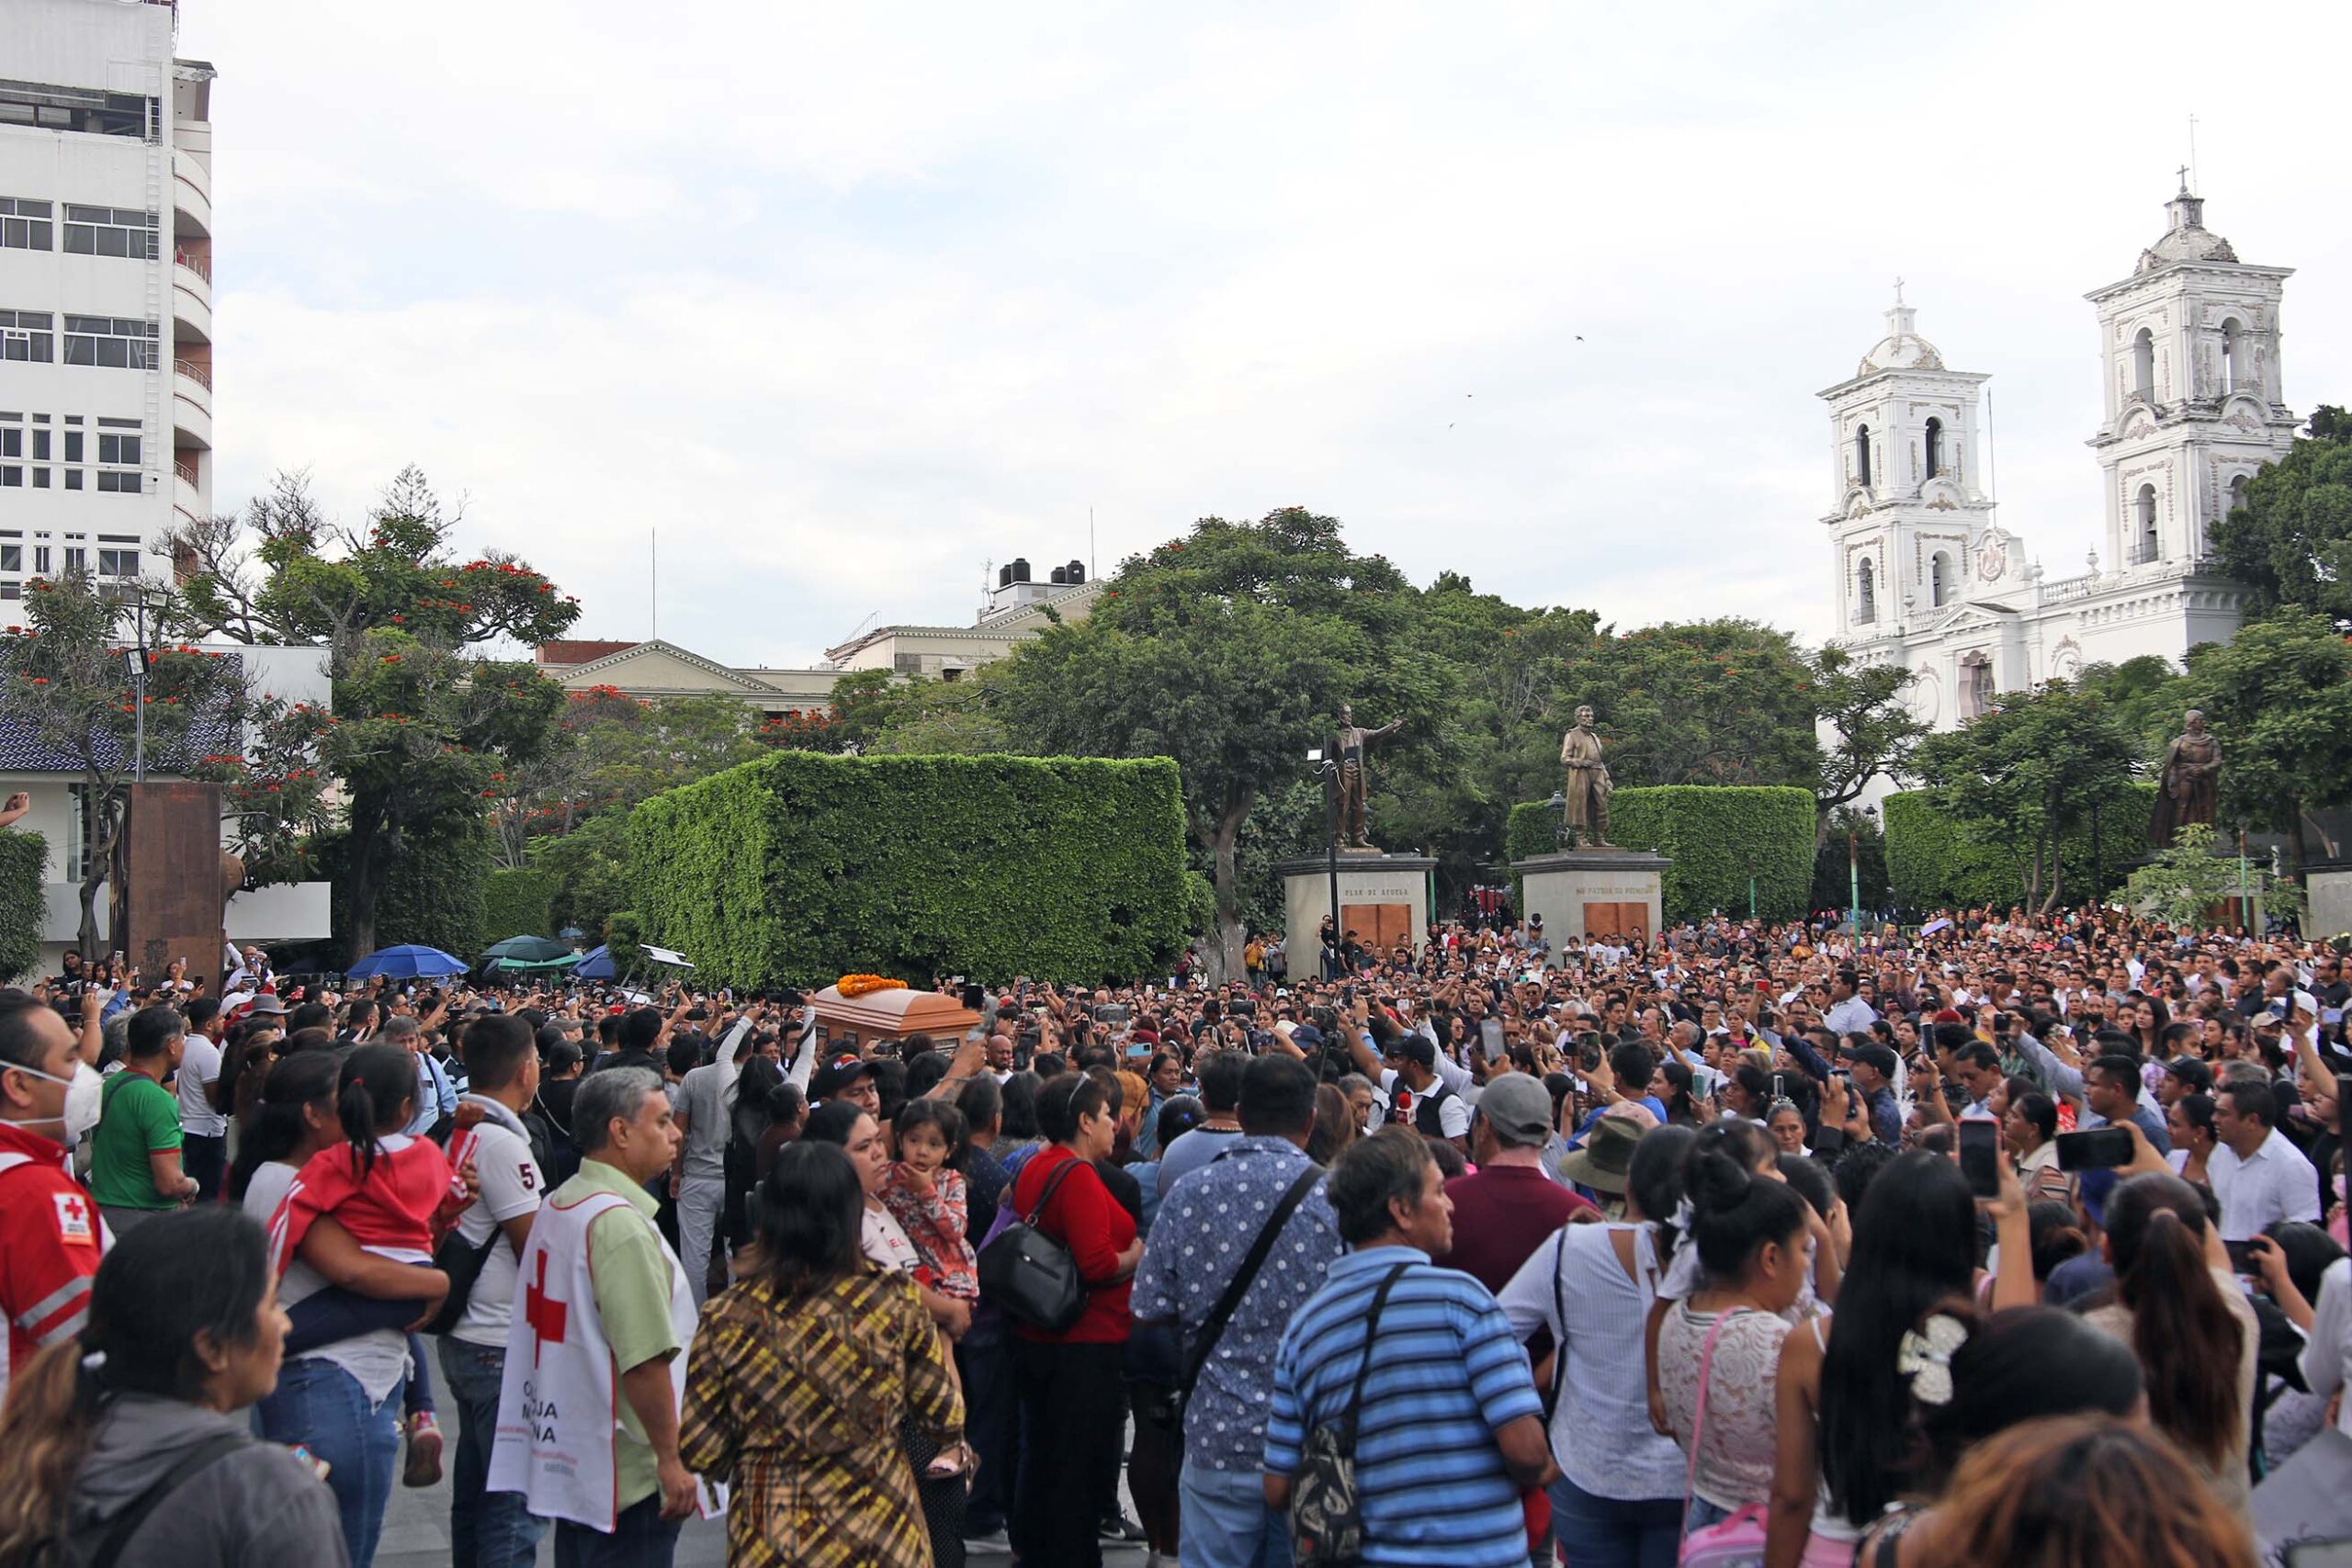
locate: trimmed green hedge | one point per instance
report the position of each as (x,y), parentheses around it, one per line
(24,901)
(517,902)
(1935,863)
(801,866)
(1714,833)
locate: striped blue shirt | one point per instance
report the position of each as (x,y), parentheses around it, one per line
(1446,1376)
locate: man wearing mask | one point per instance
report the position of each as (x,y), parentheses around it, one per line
(50,1237)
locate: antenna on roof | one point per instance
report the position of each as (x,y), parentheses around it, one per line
(653,586)
(1093,564)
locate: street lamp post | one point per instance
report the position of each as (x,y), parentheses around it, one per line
(1329,768)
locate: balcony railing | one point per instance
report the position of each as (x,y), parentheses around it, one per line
(185,471)
(200,266)
(200,374)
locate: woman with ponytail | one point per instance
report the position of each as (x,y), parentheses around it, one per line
(135,1426)
(2177,1305)
(350,1206)
(1720,1346)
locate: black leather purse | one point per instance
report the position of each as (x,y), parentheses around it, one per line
(1029,1274)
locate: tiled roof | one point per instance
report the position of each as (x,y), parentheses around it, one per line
(22,750)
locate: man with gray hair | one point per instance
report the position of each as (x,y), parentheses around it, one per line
(601,1326)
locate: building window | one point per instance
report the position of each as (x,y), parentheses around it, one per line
(24,224)
(1938,579)
(2143,365)
(1866,592)
(118,449)
(110,232)
(72,446)
(1861,454)
(117,563)
(77,558)
(124,482)
(46,105)
(12,557)
(40,560)
(12,476)
(12,441)
(2143,519)
(2237,492)
(110,341)
(1935,448)
(29,336)
(2233,356)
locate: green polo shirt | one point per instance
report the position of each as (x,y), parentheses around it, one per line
(139,1117)
(632,1275)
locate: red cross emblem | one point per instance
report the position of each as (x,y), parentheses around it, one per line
(547,1315)
(74,1218)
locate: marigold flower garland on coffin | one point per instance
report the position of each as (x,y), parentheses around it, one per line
(853,985)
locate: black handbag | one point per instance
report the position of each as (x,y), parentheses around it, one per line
(462,1261)
(1326,1518)
(1029,1274)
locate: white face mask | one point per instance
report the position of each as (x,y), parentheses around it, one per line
(84,1099)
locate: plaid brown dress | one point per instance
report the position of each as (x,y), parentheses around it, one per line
(797,1402)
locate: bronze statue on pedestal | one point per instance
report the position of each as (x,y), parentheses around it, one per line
(1586,815)
(2187,784)
(1353,782)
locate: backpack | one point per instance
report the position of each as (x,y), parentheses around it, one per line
(1426,1119)
(1326,1516)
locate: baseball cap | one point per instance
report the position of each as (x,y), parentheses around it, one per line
(1416,1049)
(1306,1036)
(2190,1070)
(836,1076)
(1518,1107)
(1882,1058)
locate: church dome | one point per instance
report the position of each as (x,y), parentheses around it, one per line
(2188,240)
(1901,348)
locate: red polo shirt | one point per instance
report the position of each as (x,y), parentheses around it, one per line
(1501,1214)
(50,1239)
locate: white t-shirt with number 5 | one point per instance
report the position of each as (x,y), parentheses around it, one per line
(512,1186)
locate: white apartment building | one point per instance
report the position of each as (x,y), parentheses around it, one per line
(106,363)
(105,290)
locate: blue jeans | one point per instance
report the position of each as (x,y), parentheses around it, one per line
(1225,1522)
(641,1537)
(1612,1532)
(320,1405)
(1701,1514)
(487,1529)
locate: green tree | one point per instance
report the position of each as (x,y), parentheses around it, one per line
(863,701)
(66,679)
(2025,775)
(1876,732)
(2180,884)
(1230,650)
(591,867)
(610,752)
(423,730)
(2290,541)
(2278,698)
(2145,693)
(1706,701)
(962,717)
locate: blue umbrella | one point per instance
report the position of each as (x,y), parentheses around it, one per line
(596,965)
(406,963)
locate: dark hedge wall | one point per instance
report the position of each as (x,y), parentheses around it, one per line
(1934,863)
(1712,833)
(801,866)
(517,902)
(23,903)
(433,896)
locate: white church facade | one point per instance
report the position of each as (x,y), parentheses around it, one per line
(1925,576)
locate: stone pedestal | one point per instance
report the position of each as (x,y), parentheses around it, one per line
(1594,893)
(1383,899)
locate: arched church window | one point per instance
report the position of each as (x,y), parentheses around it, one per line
(1866,592)
(2143,365)
(1938,579)
(2143,520)
(1861,454)
(2233,355)
(1935,448)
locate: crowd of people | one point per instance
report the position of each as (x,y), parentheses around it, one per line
(2009,1238)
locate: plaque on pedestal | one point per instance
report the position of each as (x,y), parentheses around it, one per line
(1383,899)
(1595,893)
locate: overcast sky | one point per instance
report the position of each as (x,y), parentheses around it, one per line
(847,301)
